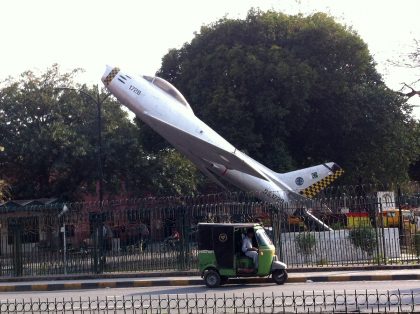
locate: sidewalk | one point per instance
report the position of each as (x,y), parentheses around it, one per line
(124,282)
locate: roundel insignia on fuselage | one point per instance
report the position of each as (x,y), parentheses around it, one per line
(299,181)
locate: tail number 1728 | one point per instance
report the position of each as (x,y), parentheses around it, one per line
(135,90)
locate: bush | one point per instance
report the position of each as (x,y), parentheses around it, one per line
(337,226)
(305,243)
(417,243)
(364,238)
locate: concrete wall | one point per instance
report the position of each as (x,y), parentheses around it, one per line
(335,246)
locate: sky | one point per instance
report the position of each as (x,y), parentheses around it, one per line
(136,34)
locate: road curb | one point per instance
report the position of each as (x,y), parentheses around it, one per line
(155,274)
(196,281)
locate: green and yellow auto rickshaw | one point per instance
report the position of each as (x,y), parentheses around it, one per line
(221,255)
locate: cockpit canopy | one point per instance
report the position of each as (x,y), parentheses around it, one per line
(167,88)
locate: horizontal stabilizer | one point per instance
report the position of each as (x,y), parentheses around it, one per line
(310,181)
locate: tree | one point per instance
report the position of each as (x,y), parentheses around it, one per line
(414,170)
(409,90)
(51,143)
(411,61)
(294,91)
(36,131)
(182,173)
(3,190)
(3,185)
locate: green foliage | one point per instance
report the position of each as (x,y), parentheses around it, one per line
(50,138)
(417,243)
(4,190)
(364,238)
(414,170)
(305,243)
(3,185)
(294,91)
(337,226)
(322,262)
(172,174)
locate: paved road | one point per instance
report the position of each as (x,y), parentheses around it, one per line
(403,286)
(290,298)
(343,274)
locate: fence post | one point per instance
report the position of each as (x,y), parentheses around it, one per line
(383,231)
(276,220)
(188,237)
(95,247)
(182,248)
(17,248)
(376,209)
(102,256)
(98,244)
(400,218)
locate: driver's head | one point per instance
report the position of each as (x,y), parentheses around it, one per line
(250,232)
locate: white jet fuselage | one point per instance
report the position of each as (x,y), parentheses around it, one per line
(165,110)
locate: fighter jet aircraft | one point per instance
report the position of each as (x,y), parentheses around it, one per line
(160,105)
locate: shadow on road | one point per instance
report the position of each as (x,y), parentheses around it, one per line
(195,290)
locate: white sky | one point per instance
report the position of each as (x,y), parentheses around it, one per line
(135,34)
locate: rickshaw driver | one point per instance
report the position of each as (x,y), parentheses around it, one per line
(248,249)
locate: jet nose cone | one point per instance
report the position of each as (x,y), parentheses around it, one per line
(109,74)
(108,70)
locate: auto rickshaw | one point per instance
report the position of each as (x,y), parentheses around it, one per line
(220,254)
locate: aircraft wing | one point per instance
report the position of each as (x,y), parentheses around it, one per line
(204,150)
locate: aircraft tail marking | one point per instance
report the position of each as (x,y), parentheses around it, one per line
(310,181)
(315,188)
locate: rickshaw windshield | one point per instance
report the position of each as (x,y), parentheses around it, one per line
(262,238)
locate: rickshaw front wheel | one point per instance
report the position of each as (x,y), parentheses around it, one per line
(212,278)
(279,276)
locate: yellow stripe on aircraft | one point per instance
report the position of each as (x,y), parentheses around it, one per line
(315,188)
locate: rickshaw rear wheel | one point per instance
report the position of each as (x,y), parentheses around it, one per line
(279,276)
(212,278)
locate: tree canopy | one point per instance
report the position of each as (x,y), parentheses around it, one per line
(291,91)
(414,169)
(294,91)
(50,140)
(411,61)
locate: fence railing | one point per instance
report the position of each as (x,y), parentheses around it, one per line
(298,302)
(137,234)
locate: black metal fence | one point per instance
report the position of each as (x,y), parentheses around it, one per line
(298,302)
(155,234)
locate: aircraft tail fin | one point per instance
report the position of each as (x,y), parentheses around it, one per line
(310,181)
